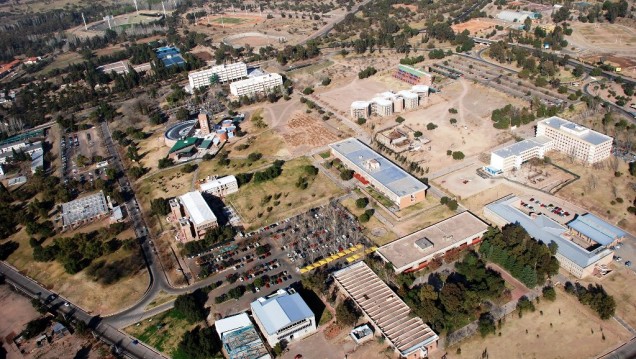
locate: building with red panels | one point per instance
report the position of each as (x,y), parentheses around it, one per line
(413,76)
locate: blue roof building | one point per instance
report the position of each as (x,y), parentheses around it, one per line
(596,229)
(170,56)
(578,260)
(283,316)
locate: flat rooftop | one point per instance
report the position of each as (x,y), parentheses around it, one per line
(218,182)
(197,207)
(386,309)
(432,239)
(84,208)
(596,229)
(545,229)
(280,310)
(387,173)
(582,132)
(518,148)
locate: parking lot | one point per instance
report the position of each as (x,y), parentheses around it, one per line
(271,257)
(86,143)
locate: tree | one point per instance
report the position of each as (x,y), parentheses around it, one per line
(417,134)
(165,162)
(326,81)
(458,155)
(308,91)
(35,327)
(431,126)
(192,306)
(200,343)
(362,202)
(400,119)
(346,174)
(254,156)
(549,293)
(486,325)
(160,206)
(346,313)
(361,120)
(7,248)
(188,168)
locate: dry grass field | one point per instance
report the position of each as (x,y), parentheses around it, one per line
(606,39)
(598,190)
(79,288)
(560,329)
(620,283)
(248,201)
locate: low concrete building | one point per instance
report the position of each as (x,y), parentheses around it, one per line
(385,176)
(596,231)
(220,187)
(416,250)
(413,76)
(223,73)
(283,316)
(406,333)
(575,253)
(84,210)
(240,339)
(194,216)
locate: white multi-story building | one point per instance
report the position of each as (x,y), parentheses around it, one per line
(575,140)
(283,316)
(193,215)
(513,156)
(257,84)
(225,73)
(220,187)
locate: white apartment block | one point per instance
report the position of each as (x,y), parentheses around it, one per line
(220,187)
(226,73)
(254,85)
(575,140)
(513,156)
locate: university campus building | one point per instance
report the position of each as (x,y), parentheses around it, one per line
(194,216)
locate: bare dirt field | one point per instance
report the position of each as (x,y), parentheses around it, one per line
(254,41)
(473,134)
(153,148)
(606,38)
(304,133)
(266,141)
(476,26)
(466,183)
(16,312)
(560,329)
(340,98)
(542,176)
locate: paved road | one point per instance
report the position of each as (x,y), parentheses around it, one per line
(102,329)
(325,29)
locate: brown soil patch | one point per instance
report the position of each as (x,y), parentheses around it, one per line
(254,41)
(614,60)
(332,331)
(304,133)
(410,7)
(203,55)
(474,26)
(230,20)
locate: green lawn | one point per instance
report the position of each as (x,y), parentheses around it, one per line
(229,20)
(162,332)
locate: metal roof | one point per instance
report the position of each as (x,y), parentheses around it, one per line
(387,311)
(240,339)
(182,144)
(582,132)
(413,71)
(596,229)
(84,208)
(280,310)
(198,209)
(518,148)
(232,323)
(388,174)
(546,230)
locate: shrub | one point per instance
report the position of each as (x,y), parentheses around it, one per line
(326,81)
(458,155)
(417,134)
(361,121)
(308,91)
(362,202)
(400,119)
(188,168)
(549,293)
(431,126)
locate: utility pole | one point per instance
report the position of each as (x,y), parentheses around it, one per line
(164,9)
(108,19)
(83,19)
(136,7)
